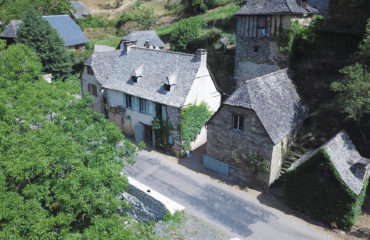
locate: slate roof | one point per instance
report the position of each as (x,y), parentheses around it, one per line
(157,65)
(275,100)
(268,7)
(79,10)
(102,64)
(68,29)
(10,30)
(344,156)
(142,36)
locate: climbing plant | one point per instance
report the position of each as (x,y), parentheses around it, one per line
(193,118)
(253,159)
(163,130)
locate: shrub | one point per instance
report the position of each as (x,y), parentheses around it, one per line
(186,32)
(141,145)
(91,21)
(144,17)
(200,6)
(322,194)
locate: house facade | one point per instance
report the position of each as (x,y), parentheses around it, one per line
(259,24)
(261,117)
(144,84)
(68,30)
(148,39)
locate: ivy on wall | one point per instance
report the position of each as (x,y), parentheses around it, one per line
(316,189)
(193,117)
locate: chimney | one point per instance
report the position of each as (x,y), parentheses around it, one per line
(201,55)
(148,44)
(304,4)
(126,45)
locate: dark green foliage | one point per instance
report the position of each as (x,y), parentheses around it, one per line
(91,21)
(37,33)
(143,17)
(15,9)
(60,172)
(316,189)
(163,130)
(200,6)
(193,118)
(363,54)
(253,159)
(186,32)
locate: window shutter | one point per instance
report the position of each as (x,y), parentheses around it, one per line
(147,110)
(154,112)
(124,101)
(164,113)
(138,104)
(170,139)
(133,103)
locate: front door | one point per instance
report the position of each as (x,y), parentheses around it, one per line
(158,110)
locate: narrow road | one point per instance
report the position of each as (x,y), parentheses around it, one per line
(230,210)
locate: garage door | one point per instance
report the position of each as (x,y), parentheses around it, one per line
(216,165)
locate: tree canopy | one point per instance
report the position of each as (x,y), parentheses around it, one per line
(60,162)
(39,35)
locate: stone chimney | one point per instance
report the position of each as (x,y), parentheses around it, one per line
(126,46)
(148,44)
(201,55)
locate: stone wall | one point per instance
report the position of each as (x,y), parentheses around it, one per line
(223,139)
(91,79)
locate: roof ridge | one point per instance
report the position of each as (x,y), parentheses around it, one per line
(164,51)
(286,3)
(266,75)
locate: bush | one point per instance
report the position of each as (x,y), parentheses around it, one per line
(91,21)
(200,6)
(186,32)
(143,16)
(322,194)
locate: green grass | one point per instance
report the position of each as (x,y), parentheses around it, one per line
(112,41)
(220,13)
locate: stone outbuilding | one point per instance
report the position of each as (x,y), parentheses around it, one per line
(261,117)
(135,85)
(79,10)
(148,39)
(68,30)
(329,183)
(259,24)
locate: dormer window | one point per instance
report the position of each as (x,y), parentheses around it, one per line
(89,70)
(170,81)
(137,73)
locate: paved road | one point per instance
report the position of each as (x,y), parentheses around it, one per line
(230,210)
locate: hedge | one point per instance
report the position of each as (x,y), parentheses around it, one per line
(316,189)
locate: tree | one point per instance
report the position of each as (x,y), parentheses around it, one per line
(38,34)
(353,91)
(187,31)
(60,162)
(364,48)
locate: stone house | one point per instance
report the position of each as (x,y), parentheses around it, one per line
(79,10)
(329,183)
(148,38)
(68,30)
(261,116)
(259,25)
(139,84)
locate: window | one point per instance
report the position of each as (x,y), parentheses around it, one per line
(128,101)
(238,122)
(134,79)
(89,70)
(143,105)
(93,89)
(256,48)
(167,87)
(261,21)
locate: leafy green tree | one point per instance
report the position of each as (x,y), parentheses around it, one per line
(364,48)
(60,162)
(186,32)
(38,34)
(144,17)
(353,91)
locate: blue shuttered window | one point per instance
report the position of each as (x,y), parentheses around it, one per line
(137,104)
(124,101)
(154,112)
(164,113)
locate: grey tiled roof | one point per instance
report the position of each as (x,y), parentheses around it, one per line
(142,36)
(102,64)
(344,156)
(157,65)
(10,30)
(266,7)
(275,100)
(79,10)
(68,29)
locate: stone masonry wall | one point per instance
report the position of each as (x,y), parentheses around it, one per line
(223,139)
(91,79)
